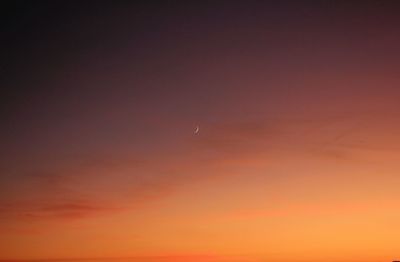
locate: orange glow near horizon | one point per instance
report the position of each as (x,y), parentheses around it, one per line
(273,201)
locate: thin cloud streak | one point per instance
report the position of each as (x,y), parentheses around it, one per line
(220,147)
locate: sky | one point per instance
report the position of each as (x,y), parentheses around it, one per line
(297,152)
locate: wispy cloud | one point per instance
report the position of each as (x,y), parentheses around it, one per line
(82,186)
(68,209)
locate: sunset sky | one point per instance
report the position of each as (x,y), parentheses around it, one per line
(297,157)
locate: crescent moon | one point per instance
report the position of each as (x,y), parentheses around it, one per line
(196,131)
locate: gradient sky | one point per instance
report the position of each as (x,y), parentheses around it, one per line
(298,154)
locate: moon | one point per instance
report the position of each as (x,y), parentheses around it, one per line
(196,131)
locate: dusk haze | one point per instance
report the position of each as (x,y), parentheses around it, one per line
(200,131)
